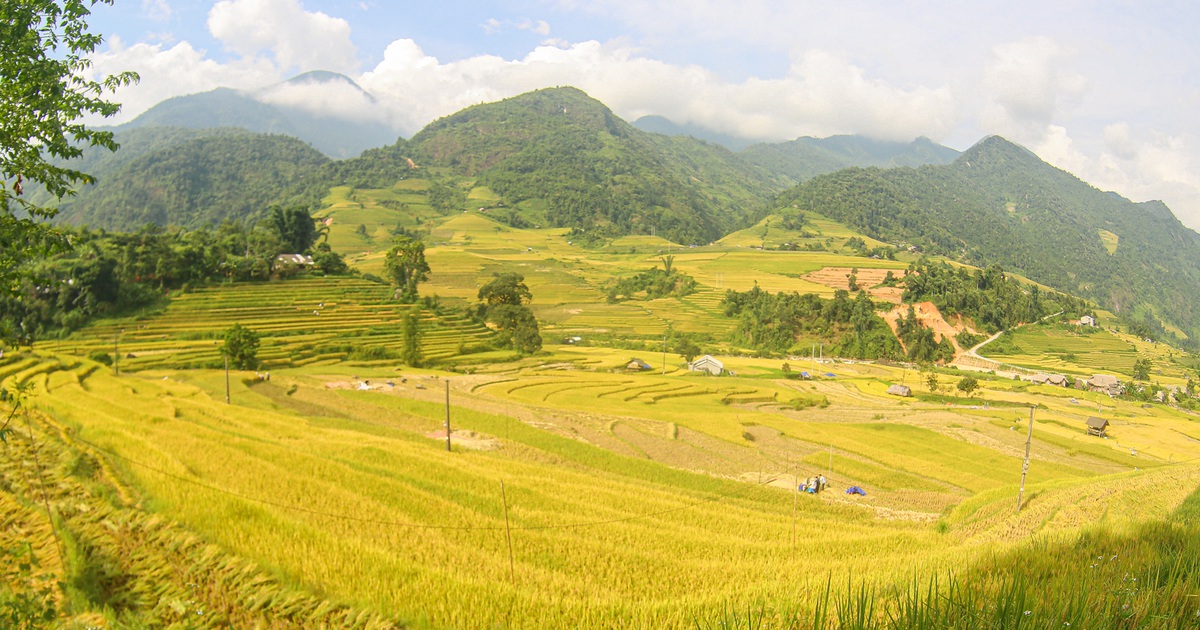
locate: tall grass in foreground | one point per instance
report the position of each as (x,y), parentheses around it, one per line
(1148,577)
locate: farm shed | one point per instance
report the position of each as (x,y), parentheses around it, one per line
(637,365)
(1096,426)
(900,390)
(708,364)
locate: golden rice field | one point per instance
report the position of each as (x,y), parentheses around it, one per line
(576,493)
(643,499)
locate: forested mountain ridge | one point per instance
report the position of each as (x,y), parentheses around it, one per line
(554,156)
(998,203)
(199,181)
(336,136)
(560,150)
(804,158)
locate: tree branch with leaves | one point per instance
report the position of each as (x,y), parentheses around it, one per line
(45,93)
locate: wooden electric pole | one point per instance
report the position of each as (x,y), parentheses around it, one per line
(1025,467)
(507,534)
(227,379)
(448,417)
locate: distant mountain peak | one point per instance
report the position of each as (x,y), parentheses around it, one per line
(322,76)
(996,147)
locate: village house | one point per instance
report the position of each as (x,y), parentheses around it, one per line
(1057,380)
(900,390)
(1096,426)
(293,261)
(1105,384)
(1087,320)
(708,364)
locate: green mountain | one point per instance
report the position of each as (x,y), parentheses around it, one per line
(804,158)
(185,178)
(998,203)
(569,160)
(335,136)
(667,127)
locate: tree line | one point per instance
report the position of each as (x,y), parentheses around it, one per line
(105,273)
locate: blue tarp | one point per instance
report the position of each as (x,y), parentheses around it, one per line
(829,374)
(856,490)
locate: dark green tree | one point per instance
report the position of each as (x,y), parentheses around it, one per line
(685,347)
(406,267)
(505,288)
(968,384)
(516,327)
(295,227)
(503,305)
(410,352)
(44,56)
(241,346)
(1141,369)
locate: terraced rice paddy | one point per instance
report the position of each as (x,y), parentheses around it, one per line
(631,499)
(301,321)
(1082,351)
(576,493)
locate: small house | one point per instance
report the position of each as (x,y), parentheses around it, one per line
(293,261)
(900,390)
(637,365)
(708,364)
(1039,379)
(1058,380)
(1105,384)
(1096,426)
(1087,320)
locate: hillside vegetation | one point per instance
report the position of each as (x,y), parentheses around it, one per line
(999,204)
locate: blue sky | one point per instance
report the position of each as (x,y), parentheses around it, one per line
(1107,90)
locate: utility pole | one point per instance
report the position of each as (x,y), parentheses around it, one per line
(795,498)
(507,534)
(664,355)
(116,354)
(448,417)
(227,379)
(1025,467)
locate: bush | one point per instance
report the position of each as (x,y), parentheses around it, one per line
(100,356)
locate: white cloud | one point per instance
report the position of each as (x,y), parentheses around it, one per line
(492,26)
(1028,87)
(296,39)
(333,99)
(158,10)
(174,71)
(822,95)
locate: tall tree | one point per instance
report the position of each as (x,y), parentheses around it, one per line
(44,50)
(406,266)
(296,228)
(410,352)
(241,346)
(505,288)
